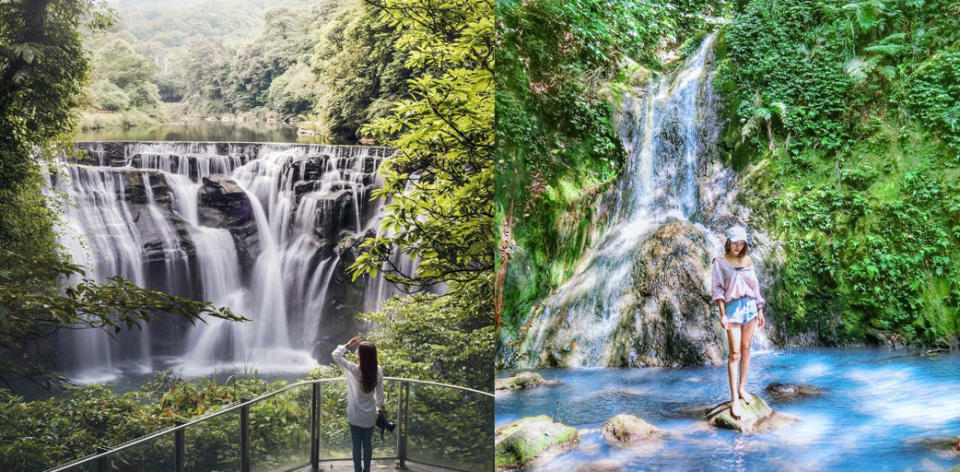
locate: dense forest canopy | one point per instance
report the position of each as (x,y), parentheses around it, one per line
(330,62)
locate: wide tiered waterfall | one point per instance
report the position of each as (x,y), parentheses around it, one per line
(639,294)
(265,229)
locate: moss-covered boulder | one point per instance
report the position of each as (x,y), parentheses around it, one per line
(625,430)
(535,437)
(523,380)
(751,415)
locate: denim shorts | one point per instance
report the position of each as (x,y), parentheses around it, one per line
(741,310)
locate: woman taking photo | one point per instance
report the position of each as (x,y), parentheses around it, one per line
(736,291)
(364,397)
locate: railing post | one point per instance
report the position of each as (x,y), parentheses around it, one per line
(402,416)
(315,427)
(245,435)
(180,443)
(103,463)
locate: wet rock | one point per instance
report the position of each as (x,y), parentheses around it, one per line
(223,204)
(521,443)
(752,414)
(788,391)
(663,320)
(670,323)
(522,381)
(946,446)
(755,418)
(135,186)
(604,465)
(627,430)
(335,212)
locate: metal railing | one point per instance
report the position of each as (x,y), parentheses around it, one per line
(439,425)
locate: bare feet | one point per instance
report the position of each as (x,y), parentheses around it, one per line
(746,397)
(735,411)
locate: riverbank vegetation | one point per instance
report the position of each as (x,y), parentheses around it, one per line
(842,117)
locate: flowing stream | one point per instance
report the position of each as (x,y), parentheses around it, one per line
(265,229)
(879,410)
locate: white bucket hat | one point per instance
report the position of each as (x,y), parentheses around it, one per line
(737,233)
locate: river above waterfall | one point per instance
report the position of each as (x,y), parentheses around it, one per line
(879,410)
(225,131)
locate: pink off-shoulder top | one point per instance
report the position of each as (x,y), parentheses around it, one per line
(730,283)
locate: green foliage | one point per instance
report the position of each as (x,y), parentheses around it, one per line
(557,148)
(439,183)
(360,72)
(858,175)
(36,435)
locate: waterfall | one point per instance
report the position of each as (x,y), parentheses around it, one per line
(605,314)
(265,229)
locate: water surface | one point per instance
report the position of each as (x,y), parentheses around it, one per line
(876,412)
(199,131)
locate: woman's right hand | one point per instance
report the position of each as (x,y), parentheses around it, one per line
(723,322)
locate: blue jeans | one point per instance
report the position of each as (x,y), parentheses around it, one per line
(361,437)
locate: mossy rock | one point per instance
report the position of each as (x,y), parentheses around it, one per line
(781,391)
(523,380)
(623,429)
(750,417)
(527,439)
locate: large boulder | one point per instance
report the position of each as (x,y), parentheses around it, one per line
(657,314)
(224,204)
(755,417)
(671,323)
(138,185)
(529,439)
(523,380)
(628,430)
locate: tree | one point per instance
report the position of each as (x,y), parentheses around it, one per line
(439,183)
(43,67)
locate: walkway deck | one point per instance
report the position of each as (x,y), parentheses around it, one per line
(378,465)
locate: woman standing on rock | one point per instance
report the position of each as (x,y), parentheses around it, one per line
(364,397)
(736,291)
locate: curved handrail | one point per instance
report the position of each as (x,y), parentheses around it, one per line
(236,406)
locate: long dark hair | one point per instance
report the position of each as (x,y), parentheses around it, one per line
(743,252)
(367,361)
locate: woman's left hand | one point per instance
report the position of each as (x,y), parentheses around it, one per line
(762,321)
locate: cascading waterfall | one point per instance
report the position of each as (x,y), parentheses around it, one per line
(264,229)
(664,130)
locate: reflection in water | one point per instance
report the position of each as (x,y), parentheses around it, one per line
(203,131)
(880,410)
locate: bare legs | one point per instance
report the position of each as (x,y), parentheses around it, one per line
(739,337)
(745,338)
